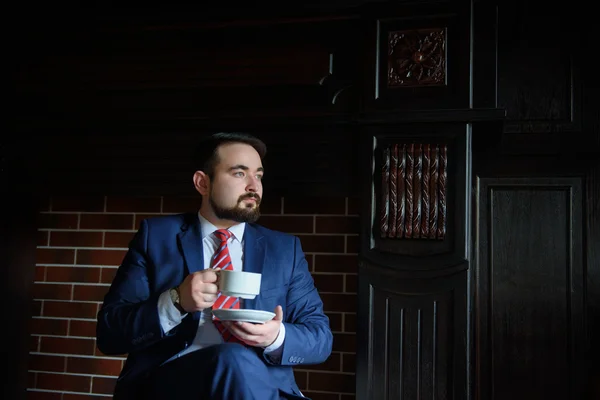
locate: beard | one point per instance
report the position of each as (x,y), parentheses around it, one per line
(240,212)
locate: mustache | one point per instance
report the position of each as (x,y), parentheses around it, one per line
(249,196)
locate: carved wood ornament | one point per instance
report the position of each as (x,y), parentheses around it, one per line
(417,58)
(413,191)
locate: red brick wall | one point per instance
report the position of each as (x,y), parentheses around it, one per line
(81,241)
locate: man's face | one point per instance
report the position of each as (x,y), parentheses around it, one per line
(236,187)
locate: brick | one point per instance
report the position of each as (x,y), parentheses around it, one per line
(309,260)
(333,363)
(332,382)
(335,321)
(54,256)
(67,309)
(82,328)
(42,238)
(133,204)
(322,243)
(314,205)
(352,244)
(94,366)
(34,343)
(351,283)
(107,221)
(100,257)
(107,275)
(320,395)
(64,382)
(293,224)
(31,378)
(349,362)
(58,221)
(176,205)
(350,322)
(73,274)
(329,282)
(344,342)
(58,345)
(33,395)
(336,263)
(39,362)
(270,205)
(47,326)
(339,302)
(36,308)
(139,218)
(39,274)
(343,224)
(103,385)
(76,239)
(89,293)
(118,239)
(51,291)
(78,203)
(301,379)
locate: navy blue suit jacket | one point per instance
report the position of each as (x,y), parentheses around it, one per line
(166,249)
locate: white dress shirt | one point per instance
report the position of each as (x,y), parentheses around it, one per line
(207,333)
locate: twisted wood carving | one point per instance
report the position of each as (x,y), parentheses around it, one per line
(413,200)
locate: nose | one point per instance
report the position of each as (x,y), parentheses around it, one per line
(253,184)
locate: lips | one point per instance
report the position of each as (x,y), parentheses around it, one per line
(254,198)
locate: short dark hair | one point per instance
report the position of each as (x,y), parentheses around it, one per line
(206,157)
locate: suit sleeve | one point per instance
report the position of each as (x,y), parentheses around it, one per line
(128,320)
(308,337)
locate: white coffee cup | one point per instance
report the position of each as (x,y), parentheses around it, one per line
(245,285)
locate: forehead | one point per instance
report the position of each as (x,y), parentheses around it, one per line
(232,154)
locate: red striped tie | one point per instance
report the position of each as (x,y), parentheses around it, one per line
(222,260)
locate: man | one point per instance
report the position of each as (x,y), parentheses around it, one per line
(158,308)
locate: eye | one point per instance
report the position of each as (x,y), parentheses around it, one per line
(239,174)
(259,177)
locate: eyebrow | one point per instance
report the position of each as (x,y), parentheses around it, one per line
(245,168)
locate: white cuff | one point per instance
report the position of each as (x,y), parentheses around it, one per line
(168,314)
(275,349)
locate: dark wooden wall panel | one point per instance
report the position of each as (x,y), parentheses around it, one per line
(415,347)
(529,288)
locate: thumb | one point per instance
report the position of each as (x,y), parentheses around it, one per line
(278,313)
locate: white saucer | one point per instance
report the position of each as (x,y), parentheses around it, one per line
(254,316)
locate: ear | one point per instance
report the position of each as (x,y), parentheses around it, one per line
(201,182)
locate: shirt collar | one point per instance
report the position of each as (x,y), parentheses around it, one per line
(207,228)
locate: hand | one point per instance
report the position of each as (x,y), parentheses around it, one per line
(257,335)
(198,290)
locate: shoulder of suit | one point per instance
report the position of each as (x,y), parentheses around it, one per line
(272,233)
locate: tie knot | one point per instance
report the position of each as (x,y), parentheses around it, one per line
(223,235)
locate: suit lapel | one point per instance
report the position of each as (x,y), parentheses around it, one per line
(190,240)
(254,256)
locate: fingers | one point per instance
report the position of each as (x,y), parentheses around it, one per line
(240,330)
(258,335)
(207,288)
(278,313)
(208,275)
